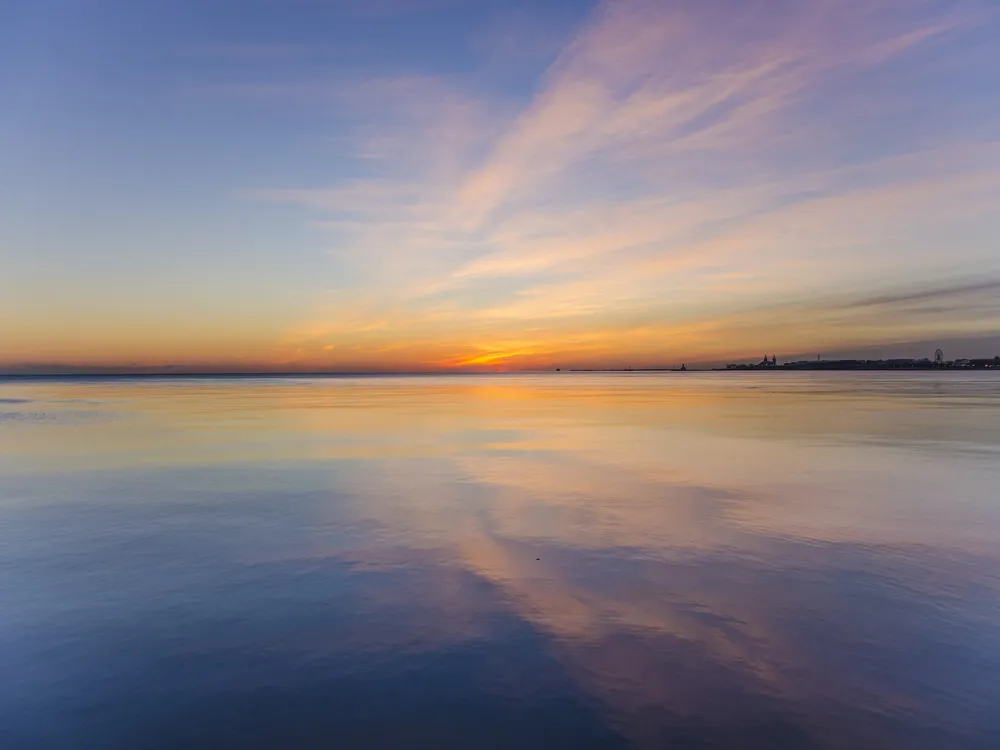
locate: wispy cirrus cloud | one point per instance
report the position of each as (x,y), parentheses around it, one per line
(679,167)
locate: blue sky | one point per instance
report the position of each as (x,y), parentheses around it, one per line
(420,185)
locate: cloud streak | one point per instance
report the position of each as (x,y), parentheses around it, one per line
(679,168)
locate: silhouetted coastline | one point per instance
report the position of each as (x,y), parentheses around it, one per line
(870,364)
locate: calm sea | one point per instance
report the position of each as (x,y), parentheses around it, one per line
(726,560)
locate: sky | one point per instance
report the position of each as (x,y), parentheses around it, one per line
(405,185)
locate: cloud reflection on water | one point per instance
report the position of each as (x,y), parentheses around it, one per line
(736,562)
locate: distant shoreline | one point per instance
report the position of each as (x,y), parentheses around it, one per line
(782,368)
(452,373)
(862,367)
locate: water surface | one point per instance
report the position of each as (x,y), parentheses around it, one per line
(726,560)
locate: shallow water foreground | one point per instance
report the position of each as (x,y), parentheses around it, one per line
(725,560)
